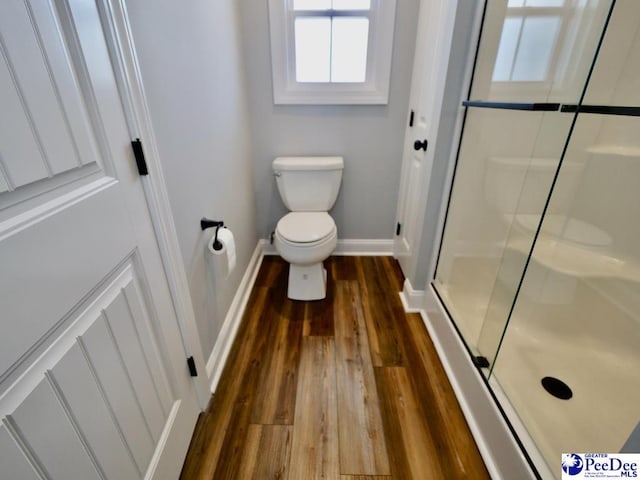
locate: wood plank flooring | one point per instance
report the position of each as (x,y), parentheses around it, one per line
(347,388)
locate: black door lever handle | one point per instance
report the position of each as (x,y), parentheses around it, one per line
(418,145)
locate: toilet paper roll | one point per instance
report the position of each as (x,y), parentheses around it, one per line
(228,250)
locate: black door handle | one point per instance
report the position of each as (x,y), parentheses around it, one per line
(418,145)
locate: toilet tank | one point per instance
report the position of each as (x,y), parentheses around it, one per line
(308,184)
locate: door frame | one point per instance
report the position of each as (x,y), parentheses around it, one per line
(426,82)
(469,61)
(119,40)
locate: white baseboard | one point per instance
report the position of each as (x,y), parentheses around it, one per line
(497,445)
(351,247)
(267,247)
(232,321)
(412,300)
(364,247)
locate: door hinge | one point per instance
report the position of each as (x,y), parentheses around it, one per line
(192,367)
(398,228)
(138,153)
(411,119)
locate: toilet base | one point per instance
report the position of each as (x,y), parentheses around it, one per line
(307,282)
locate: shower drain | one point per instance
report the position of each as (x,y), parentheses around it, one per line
(557,388)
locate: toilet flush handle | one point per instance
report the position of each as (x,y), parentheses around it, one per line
(276,174)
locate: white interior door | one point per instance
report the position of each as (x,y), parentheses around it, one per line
(433,42)
(93,375)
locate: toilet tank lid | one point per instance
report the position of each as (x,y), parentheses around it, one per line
(308,163)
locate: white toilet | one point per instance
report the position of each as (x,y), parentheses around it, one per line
(307,235)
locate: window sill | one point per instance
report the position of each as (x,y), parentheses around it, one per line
(312,94)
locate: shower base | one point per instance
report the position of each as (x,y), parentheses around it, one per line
(600,363)
(590,343)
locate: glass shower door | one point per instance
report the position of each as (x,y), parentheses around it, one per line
(539,264)
(533,56)
(569,363)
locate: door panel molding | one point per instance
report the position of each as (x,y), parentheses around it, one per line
(46,251)
(49,111)
(48,431)
(96,425)
(16,461)
(91,380)
(48,350)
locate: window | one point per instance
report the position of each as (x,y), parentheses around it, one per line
(531,40)
(331,51)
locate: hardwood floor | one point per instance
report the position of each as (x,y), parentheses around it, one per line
(347,388)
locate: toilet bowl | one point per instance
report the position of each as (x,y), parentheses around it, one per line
(305,240)
(307,235)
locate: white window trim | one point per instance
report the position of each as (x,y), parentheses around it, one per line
(374,91)
(510,89)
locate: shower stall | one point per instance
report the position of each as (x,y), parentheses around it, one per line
(539,262)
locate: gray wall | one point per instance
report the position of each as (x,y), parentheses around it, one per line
(191,61)
(369,137)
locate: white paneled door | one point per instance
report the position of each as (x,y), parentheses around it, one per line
(93,375)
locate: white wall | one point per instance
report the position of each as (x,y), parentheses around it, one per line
(191,61)
(369,137)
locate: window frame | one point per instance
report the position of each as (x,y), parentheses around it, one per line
(374,90)
(531,87)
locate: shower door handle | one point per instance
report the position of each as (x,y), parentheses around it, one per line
(420,145)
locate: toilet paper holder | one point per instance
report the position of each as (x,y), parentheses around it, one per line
(206,223)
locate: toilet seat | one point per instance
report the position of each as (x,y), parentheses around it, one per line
(306,228)
(306,238)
